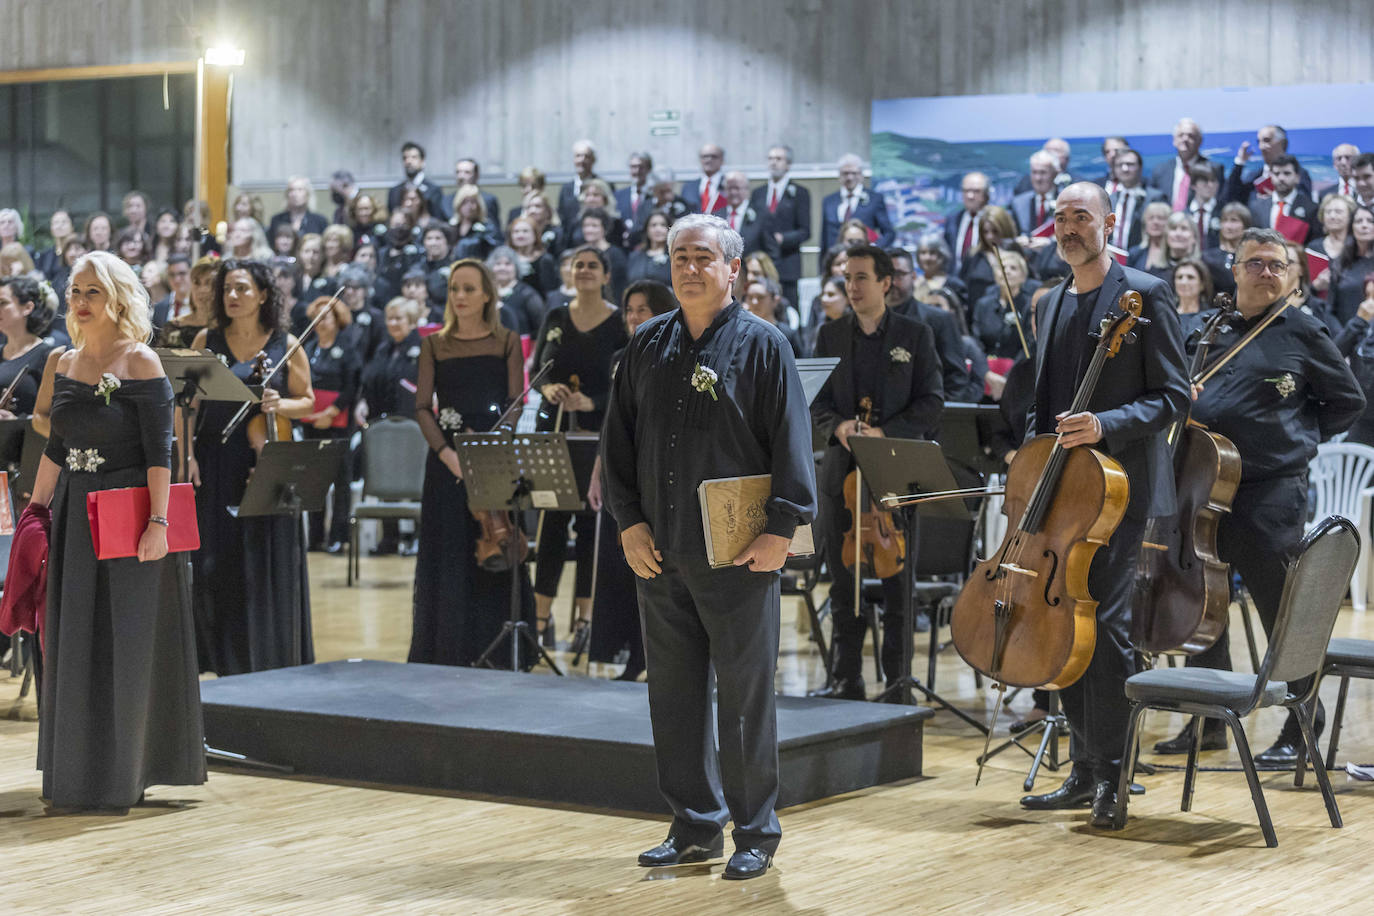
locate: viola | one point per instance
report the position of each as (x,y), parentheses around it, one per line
(494,543)
(1025,617)
(1182,591)
(260,430)
(872,536)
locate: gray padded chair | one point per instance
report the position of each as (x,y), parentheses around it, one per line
(1312,594)
(1348,658)
(394,455)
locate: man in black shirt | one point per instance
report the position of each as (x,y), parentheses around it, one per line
(1275,400)
(889,359)
(1140,392)
(703,392)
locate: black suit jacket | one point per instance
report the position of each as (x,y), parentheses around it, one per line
(1148,196)
(634,222)
(751,230)
(871,211)
(311,222)
(431,192)
(1240,183)
(569,205)
(912,397)
(1303,208)
(958,385)
(1162,178)
(691,193)
(1141,391)
(952,220)
(792,219)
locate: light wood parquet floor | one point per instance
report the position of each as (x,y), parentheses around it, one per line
(257,844)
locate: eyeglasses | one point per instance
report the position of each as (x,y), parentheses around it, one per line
(1256,266)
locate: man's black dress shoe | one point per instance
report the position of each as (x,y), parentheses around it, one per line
(747,863)
(1076,792)
(1213,739)
(1104,805)
(1280,755)
(675,851)
(842,689)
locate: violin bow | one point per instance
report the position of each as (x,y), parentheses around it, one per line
(1275,311)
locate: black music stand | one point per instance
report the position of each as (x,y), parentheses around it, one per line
(507,472)
(966,434)
(291,478)
(907,467)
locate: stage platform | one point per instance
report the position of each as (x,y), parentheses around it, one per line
(535,737)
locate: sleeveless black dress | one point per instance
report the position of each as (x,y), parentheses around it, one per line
(120,701)
(252,589)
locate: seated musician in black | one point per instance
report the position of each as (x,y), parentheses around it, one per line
(890,359)
(1275,400)
(1140,392)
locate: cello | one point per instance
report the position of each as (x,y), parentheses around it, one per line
(1182,589)
(1025,617)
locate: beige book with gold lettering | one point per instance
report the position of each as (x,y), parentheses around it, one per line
(733,513)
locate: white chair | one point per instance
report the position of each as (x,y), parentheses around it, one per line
(1342,482)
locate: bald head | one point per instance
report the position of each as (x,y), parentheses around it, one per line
(1090,192)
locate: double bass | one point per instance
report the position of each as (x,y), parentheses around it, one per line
(1182,589)
(1025,618)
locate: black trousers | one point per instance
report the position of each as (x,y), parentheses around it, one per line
(698,620)
(1096,704)
(1257,537)
(849,621)
(553,552)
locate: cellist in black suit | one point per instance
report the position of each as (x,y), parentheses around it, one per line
(890,359)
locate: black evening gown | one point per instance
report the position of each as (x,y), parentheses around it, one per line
(120,706)
(460,607)
(252,589)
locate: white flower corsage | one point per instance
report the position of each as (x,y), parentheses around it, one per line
(450,419)
(1009,317)
(554,335)
(900,355)
(336,352)
(106,387)
(84,459)
(704,379)
(1284,384)
(413,353)
(223,359)
(364,318)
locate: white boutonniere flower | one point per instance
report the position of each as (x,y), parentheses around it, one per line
(223,359)
(336,352)
(899,355)
(364,318)
(106,387)
(1284,384)
(704,379)
(413,353)
(450,419)
(554,335)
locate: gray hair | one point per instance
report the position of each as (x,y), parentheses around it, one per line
(728,240)
(18,220)
(661,175)
(1258,236)
(1045,157)
(935,241)
(786,150)
(507,253)
(849,159)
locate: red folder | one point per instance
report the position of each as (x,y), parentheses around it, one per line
(1316,263)
(1119,254)
(1292,228)
(118,518)
(1045,230)
(1265,186)
(323,401)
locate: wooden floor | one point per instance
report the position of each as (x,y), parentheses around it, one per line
(250,844)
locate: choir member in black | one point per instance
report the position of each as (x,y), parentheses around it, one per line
(957,383)
(597,225)
(1350,271)
(1140,392)
(519,301)
(1356,343)
(1192,284)
(1276,400)
(580,340)
(650,262)
(335,371)
(1235,219)
(120,706)
(436,246)
(762,298)
(26,313)
(1001,334)
(387,388)
(566,292)
(183,330)
(890,359)
(707,392)
(368,328)
(979,271)
(540,271)
(834,303)
(251,587)
(615,606)
(469,372)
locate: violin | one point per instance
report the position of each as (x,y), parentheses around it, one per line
(264,428)
(1025,617)
(1182,589)
(872,538)
(7,398)
(494,543)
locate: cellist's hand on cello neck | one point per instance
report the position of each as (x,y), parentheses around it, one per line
(1078,429)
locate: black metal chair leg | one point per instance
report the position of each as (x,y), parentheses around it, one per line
(1314,753)
(1336,723)
(1190,774)
(1123,789)
(1256,792)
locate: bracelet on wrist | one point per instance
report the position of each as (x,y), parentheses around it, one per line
(159,520)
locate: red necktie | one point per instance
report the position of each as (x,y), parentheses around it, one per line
(968,236)
(734,219)
(849,210)
(1278,218)
(1181,196)
(1202,227)
(773,201)
(705,196)
(634,202)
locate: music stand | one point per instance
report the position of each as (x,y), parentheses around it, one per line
(507,472)
(291,478)
(905,467)
(966,434)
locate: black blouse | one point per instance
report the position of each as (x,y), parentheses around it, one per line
(335,368)
(393,363)
(30,364)
(586,354)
